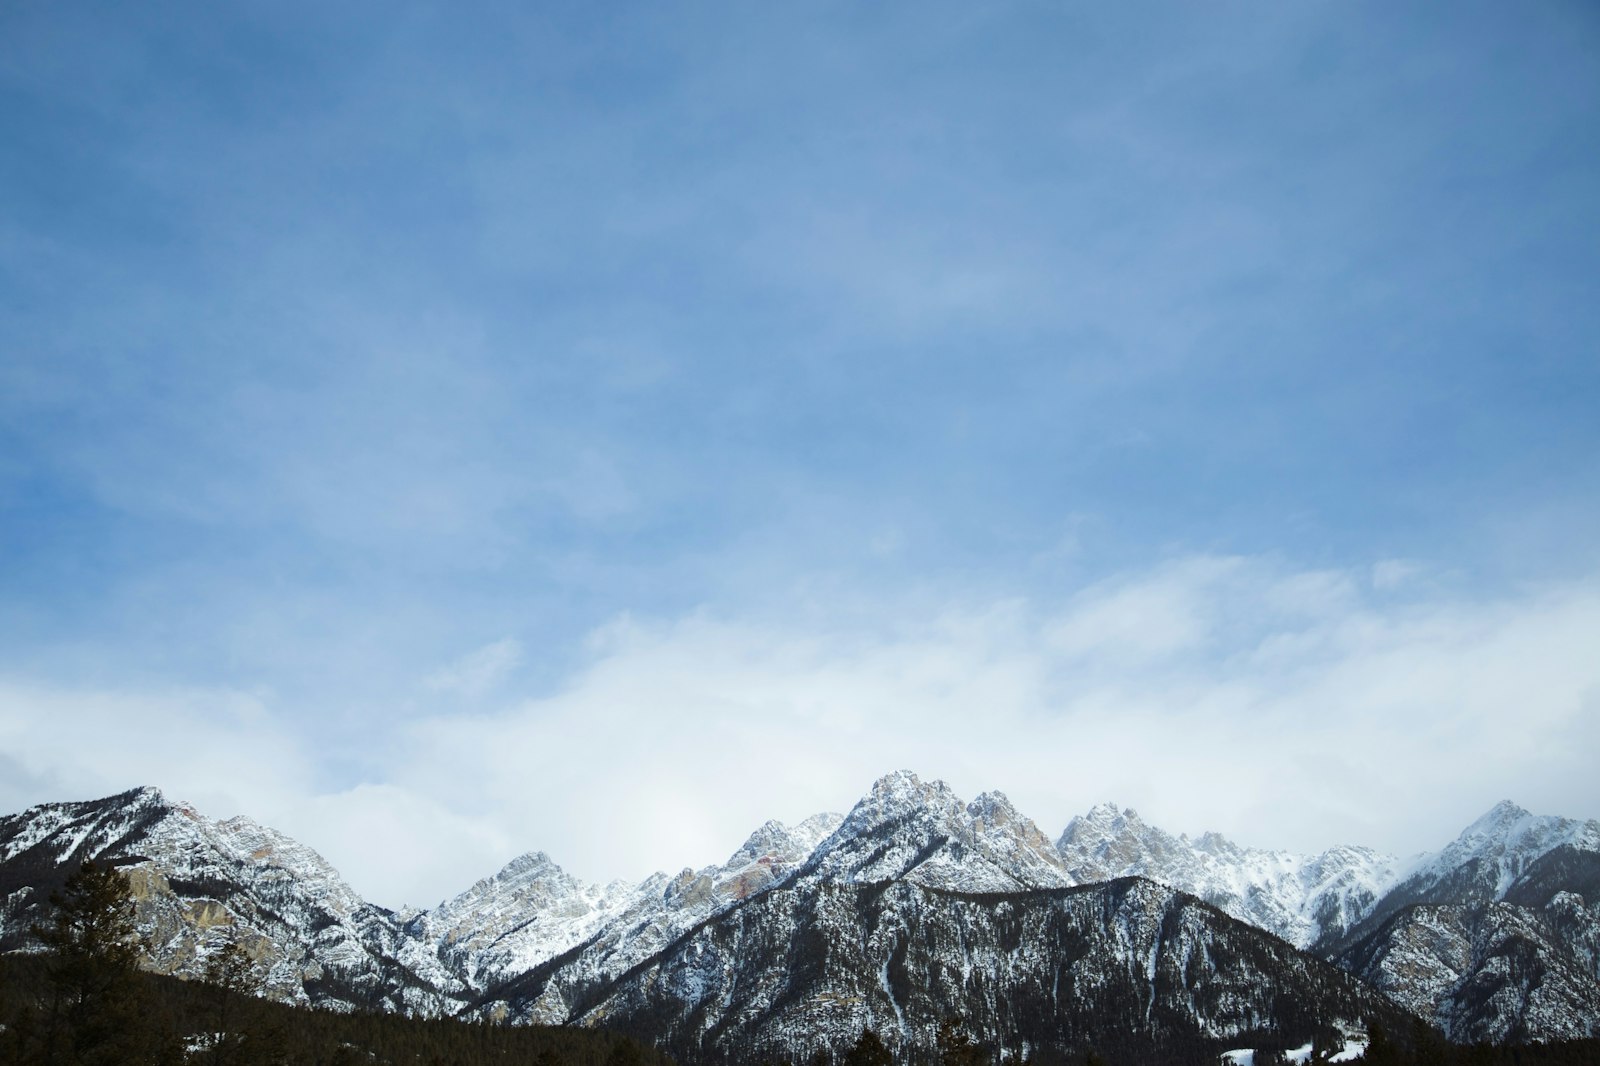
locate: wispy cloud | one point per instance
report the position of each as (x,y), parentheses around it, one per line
(479,672)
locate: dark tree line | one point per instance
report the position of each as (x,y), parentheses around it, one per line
(1425,1046)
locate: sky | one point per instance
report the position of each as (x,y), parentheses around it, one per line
(448,431)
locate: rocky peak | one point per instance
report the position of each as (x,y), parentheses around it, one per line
(992,810)
(1101,823)
(922,831)
(1107,843)
(899,796)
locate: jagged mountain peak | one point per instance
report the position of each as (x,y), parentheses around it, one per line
(776,843)
(818,827)
(1100,823)
(900,793)
(517,877)
(994,809)
(907,828)
(193,879)
(1107,842)
(1216,844)
(531,875)
(773,838)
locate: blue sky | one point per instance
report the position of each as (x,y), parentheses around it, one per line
(382,381)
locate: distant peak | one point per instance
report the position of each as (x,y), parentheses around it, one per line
(531,862)
(826,822)
(904,788)
(992,805)
(773,836)
(1100,824)
(897,782)
(1501,814)
(902,795)
(1107,814)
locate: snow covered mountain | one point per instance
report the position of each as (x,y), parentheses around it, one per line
(920,831)
(1497,936)
(913,906)
(1492,856)
(1306,899)
(601,933)
(199,882)
(1494,937)
(918,908)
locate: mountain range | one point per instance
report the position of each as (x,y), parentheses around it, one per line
(913,908)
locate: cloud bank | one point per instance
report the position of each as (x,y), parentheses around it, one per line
(1285,707)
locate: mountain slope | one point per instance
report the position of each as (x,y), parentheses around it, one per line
(1497,936)
(199,882)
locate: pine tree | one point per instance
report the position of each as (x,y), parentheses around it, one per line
(93,1009)
(231,976)
(956,1048)
(868,1051)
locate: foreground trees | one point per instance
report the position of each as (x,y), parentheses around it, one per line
(90,1008)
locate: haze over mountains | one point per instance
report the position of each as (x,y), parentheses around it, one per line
(914,906)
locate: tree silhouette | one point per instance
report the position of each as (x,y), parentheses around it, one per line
(230,976)
(92,1010)
(956,1048)
(868,1051)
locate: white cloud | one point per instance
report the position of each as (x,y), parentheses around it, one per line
(399,846)
(1312,716)
(220,749)
(1283,707)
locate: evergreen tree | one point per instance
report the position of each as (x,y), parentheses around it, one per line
(93,1010)
(1381,1050)
(231,977)
(868,1051)
(956,1048)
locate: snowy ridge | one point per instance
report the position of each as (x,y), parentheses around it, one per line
(1492,853)
(529,912)
(919,907)
(921,831)
(533,911)
(1302,898)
